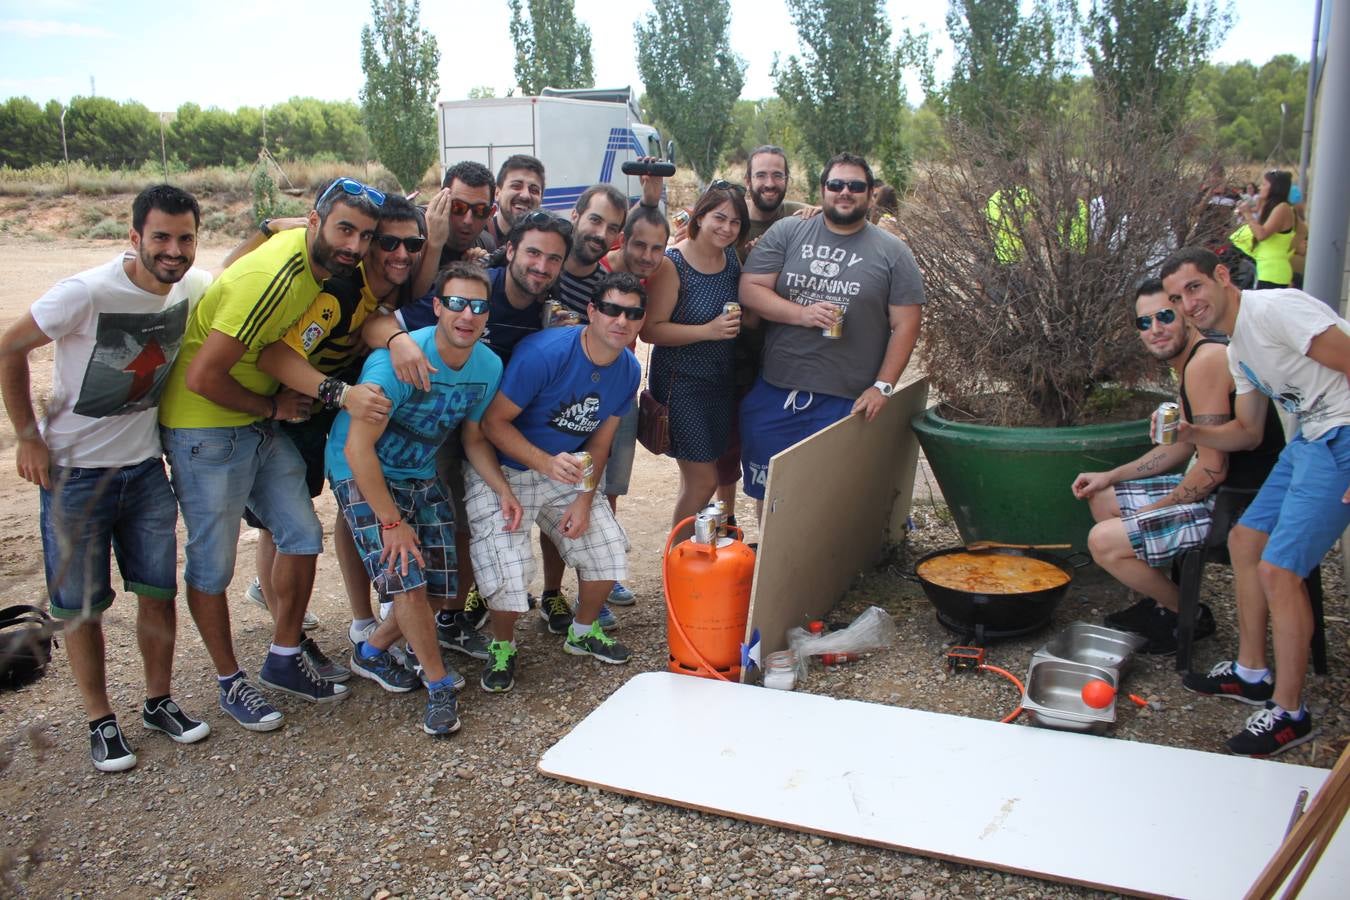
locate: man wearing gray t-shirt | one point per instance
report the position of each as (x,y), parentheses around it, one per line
(841,300)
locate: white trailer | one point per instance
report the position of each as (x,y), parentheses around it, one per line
(581,136)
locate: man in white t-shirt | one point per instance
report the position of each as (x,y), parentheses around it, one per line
(1290,347)
(96,458)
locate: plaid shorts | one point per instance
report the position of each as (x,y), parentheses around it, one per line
(423,505)
(503,561)
(1160,535)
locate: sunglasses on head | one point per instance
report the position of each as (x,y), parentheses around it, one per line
(479,210)
(542,219)
(353,188)
(389,242)
(837,186)
(1164,316)
(456,303)
(721,185)
(614,310)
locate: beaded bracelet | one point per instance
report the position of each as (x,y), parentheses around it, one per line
(331,391)
(390,526)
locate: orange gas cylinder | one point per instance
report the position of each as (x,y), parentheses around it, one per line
(707,604)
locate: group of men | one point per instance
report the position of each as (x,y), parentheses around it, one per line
(375,345)
(1285,349)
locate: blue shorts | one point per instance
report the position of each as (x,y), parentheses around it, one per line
(423,505)
(773,419)
(619,466)
(88,511)
(217,473)
(1300,506)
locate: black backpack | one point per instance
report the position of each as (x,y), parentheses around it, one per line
(26,638)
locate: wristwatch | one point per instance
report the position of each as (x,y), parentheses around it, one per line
(265,226)
(885,387)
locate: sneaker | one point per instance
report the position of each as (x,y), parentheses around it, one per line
(1223,681)
(598,644)
(254,593)
(475,609)
(442,716)
(356,635)
(1268,734)
(556,611)
(168,717)
(385,671)
(241,701)
(1161,631)
(1133,618)
(412,664)
(459,636)
(499,675)
(108,749)
(606,617)
(295,676)
(327,669)
(621,596)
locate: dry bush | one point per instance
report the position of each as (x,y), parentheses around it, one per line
(1100,203)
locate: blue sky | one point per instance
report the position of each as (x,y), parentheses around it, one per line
(258,52)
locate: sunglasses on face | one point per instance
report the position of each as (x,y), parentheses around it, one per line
(479,210)
(1164,317)
(389,242)
(354,188)
(455,303)
(721,185)
(838,185)
(614,310)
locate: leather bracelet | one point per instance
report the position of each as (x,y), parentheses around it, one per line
(392,336)
(390,526)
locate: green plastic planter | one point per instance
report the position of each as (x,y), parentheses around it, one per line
(1012,484)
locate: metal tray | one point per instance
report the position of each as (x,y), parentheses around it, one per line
(1094,645)
(1054,698)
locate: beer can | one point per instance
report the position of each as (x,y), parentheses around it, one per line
(556,315)
(584,460)
(729,308)
(705,529)
(1165,423)
(835,331)
(681,217)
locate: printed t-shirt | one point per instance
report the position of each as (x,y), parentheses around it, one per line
(115,346)
(328,333)
(255,301)
(420,420)
(562,395)
(866,272)
(1268,352)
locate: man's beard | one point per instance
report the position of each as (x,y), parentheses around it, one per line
(325,257)
(150,264)
(838,218)
(757,198)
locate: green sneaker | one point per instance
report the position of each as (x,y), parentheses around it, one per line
(598,644)
(499,675)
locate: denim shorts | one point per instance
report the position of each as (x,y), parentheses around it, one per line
(1300,506)
(310,438)
(423,505)
(87,512)
(216,473)
(773,419)
(619,466)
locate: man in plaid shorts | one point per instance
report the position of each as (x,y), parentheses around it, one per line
(564,392)
(384,479)
(1150,516)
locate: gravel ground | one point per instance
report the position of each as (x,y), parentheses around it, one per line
(353,801)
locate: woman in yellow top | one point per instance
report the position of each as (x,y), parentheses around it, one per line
(1272,230)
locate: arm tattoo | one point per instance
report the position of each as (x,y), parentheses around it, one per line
(1217,419)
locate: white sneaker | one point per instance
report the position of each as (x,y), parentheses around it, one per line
(254,593)
(357,635)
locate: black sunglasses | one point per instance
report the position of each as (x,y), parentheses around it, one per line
(837,185)
(389,242)
(455,303)
(354,188)
(721,185)
(545,221)
(1165,316)
(614,310)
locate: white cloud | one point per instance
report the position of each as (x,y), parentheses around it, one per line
(41,28)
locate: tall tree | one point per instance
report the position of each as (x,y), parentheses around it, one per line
(845,91)
(1144,54)
(692,78)
(553,49)
(1007,64)
(399,58)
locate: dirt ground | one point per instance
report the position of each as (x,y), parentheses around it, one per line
(353,800)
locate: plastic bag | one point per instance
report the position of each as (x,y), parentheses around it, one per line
(872,630)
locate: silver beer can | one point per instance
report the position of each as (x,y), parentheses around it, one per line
(1165,423)
(587,482)
(835,331)
(705,529)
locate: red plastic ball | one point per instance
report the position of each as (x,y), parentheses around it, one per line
(1098,694)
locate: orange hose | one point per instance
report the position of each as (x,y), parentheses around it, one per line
(985,667)
(670,608)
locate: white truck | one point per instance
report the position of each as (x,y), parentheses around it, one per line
(581,136)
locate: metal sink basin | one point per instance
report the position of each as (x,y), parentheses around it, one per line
(1094,645)
(1054,695)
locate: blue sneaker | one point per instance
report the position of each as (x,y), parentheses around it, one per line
(242,702)
(414,665)
(295,675)
(442,716)
(385,671)
(621,596)
(606,618)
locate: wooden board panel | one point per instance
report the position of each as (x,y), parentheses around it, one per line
(831,504)
(1088,810)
